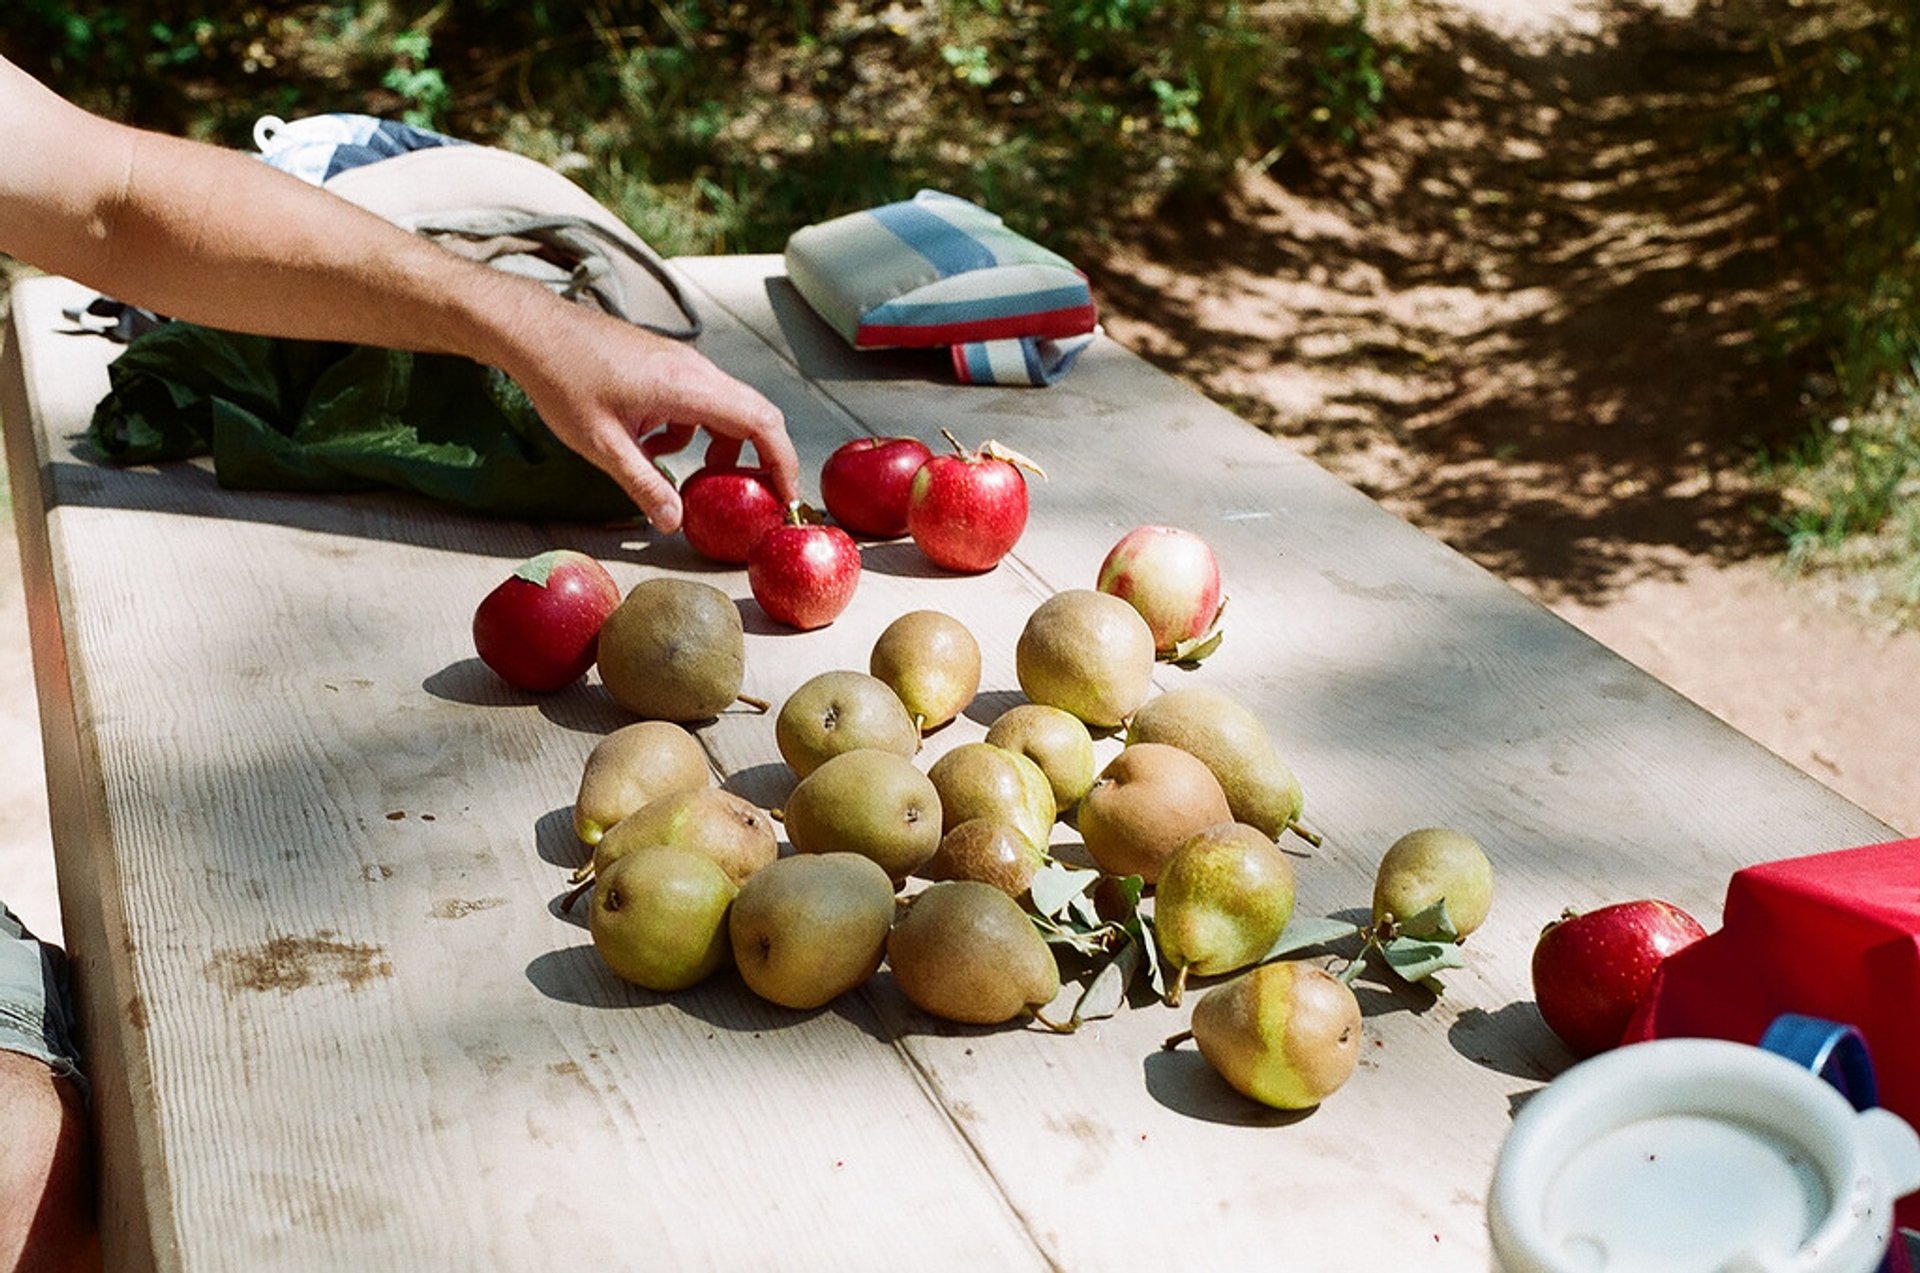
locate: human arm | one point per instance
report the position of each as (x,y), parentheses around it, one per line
(219,238)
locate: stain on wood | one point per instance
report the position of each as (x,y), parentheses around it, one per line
(287,964)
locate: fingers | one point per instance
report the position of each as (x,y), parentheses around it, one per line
(735,414)
(646,485)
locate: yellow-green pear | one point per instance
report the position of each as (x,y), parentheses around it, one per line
(632,766)
(809,928)
(1221,902)
(979,780)
(1425,867)
(1053,739)
(1087,653)
(841,711)
(1220,730)
(869,802)
(932,662)
(1286,1034)
(733,831)
(659,917)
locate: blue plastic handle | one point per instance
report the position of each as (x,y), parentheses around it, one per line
(1838,1054)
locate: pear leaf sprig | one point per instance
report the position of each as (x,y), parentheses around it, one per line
(1120,941)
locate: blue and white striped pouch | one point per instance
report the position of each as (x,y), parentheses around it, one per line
(935,271)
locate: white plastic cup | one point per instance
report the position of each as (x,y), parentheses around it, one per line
(1697,1156)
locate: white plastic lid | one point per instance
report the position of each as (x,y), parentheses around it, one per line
(1694,1155)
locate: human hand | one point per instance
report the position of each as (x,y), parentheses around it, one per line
(622,396)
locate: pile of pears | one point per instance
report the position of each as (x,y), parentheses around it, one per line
(929,869)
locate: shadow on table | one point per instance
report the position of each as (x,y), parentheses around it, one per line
(821,353)
(1512,1040)
(582,707)
(1182,1081)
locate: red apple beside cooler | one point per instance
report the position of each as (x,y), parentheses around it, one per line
(1832,935)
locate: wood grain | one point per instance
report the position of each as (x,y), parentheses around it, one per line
(310,849)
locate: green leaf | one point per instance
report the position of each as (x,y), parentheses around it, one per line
(1188,653)
(536,570)
(1054,886)
(1082,911)
(1418,960)
(1431,924)
(1303,932)
(1107,992)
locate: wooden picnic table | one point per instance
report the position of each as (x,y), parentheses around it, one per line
(310,853)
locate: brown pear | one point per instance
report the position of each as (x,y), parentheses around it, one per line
(979,780)
(632,766)
(674,649)
(988,851)
(966,952)
(1147,802)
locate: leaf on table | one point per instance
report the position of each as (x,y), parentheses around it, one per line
(1141,930)
(1432,923)
(1107,992)
(1304,932)
(1188,653)
(1054,886)
(1418,960)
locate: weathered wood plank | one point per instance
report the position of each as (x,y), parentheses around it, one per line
(335,842)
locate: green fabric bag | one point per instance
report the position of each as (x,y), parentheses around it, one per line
(289,415)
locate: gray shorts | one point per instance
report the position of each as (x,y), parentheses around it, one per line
(36,1009)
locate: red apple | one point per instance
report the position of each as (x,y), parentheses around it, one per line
(1171,577)
(727,510)
(1591,970)
(966,510)
(540,628)
(803,575)
(865,484)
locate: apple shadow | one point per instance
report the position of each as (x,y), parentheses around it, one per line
(1181,1080)
(901,558)
(1513,1040)
(582,707)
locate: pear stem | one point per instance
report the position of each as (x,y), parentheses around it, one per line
(1058,1027)
(1305,832)
(566,903)
(582,872)
(1178,987)
(1176,1040)
(762,706)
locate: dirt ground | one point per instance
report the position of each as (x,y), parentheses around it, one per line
(1519,319)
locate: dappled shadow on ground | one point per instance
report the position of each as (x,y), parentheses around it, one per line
(1522,314)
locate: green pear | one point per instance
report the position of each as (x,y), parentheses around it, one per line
(979,780)
(631,766)
(1221,902)
(674,649)
(1087,653)
(966,952)
(869,802)
(1056,741)
(990,852)
(837,712)
(807,929)
(932,662)
(1220,730)
(659,917)
(1286,1034)
(1425,867)
(733,831)
(1147,802)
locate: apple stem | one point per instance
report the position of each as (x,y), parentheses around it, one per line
(566,903)
(1305,832)
(953,442)
(760,705)
(1178,987)
(1176,1040)
(1058,1027)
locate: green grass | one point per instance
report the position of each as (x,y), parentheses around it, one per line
(1852,495)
